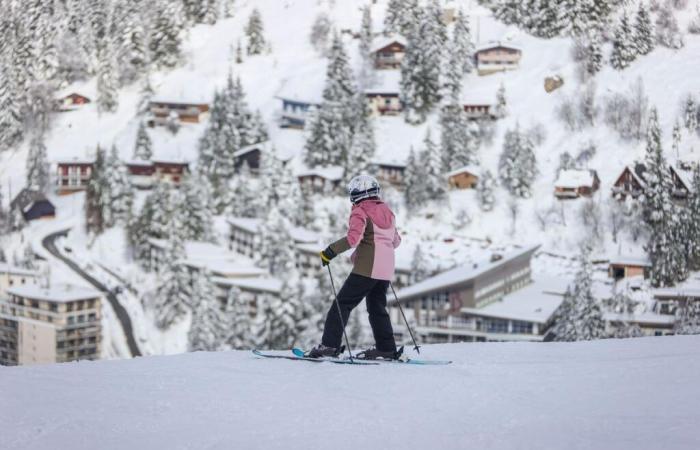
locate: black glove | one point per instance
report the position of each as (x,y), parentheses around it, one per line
(326,256)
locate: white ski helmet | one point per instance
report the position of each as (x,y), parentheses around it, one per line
(362,187)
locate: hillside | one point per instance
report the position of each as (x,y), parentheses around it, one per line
(610,394)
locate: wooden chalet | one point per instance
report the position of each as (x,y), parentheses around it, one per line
(383,98)
(140,173)
(251,155)
(631,182)
(576,183)
(476,111)
(628,266)
(321,179)
(162,111)
(73,175)
(389,53)
(463,178)
(170,171)
(497,57)
(295,112)
(33,205)
(72,101)
(390,172)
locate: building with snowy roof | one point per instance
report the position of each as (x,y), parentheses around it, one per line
(71,102)
(300,95)
(632,181)
(383,97)
(494,300)
(145,174)
(465,177)
(57,323)
(391,172)
(72,175)
(321,179)
(574,183)
(164,109)
(388,53)
(626,266)
(669,300)
(244,232)
(497,57)
(32,205)
(11,276)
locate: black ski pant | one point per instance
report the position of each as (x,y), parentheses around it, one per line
(356,288)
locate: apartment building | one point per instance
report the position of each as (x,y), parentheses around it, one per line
(41,325)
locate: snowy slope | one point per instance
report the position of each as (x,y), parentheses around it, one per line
(611,394)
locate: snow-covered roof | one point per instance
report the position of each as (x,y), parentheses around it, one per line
(306,86)
(684,176)
(385,82)
(55,293)
(252,225)
(647,317)
(333,173)
(262,146)
(138,162)
(227,268)
(388,40)
(309,247)
(535,302)
(689,288)
(573,178)
(76,161)
(268,284)
(174,160)
(491,45)
(13,270)
(303,235)
(630,260)
(474,170)
(462,274)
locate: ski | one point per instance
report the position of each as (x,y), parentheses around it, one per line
(315,360)
(299,353)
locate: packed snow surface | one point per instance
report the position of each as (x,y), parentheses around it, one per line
(610,394)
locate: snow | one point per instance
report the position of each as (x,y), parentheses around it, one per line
(490,45)
(387,40)
(267,284)
(474,170)
(55,293)
(385,82)
(332,173)
(610,394)
(689,288)
(461,274)
(9,269)
(630,260)
(572,179)
(535,302)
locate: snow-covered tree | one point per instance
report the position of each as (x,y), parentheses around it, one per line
(688,318)
(153,221)
(501,109)
(676,138)
(459,140)
(517,166)
(432,163)
(594,55)
(243,199)
(11,130)
(401,16)
(96,194)
(624,306)
(144,147)
(165,39)
(668,32)
(643,31)
(173,295)
(414,193)
(209,325)
(624,48)
(284,310)
(37,164)
(254,31)
(197,219)
(277,251)
(131,52)
(321,33)
(238,314)
(579,317)
(118,195)
(107,84)
(420,270)
(484,191)
(690,118)
(462,41)
(366,73)
(693,223)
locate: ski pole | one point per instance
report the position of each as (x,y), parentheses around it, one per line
(340,314)
(415,345)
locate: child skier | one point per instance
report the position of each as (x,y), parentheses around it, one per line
(372,233)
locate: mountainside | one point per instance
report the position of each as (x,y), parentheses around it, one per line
(609,394)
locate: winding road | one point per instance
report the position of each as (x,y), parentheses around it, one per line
(49,243)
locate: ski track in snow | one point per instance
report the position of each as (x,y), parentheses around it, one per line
(610,394)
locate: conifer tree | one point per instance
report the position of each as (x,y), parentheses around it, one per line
(11,130)
(131,40)
(173,296)
(229,8)
(37,164)
(434,170)
(255,34)
(284,312)
(484,191)
(420,72)
(624,307)
(676,138)
(517,166)
(238,313)
(145,94)
(118,195)
(157,212)
(501,108)
(209,325)
(419,266)
(107,94)
(243,198)
(462,41)
(320,33)
(277,252)
(95,195)
(197,220)
(688,318)
(691,114)
(668,32)
(458,140)
(414,181)
(165,40)
(401,16)
(594,54)
(643,31)
(366,35)
(143,149)
(693,221)
(624,51)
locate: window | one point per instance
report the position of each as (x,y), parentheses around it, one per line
(520,327)
(496,326)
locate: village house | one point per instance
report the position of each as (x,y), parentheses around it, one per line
(295,112)
(300,97)
(244,235)
(621,267)
(631,182)
(11,276)
(479,111)
(497,57)
(390,172)
(32,205)
(252,156)
(463,178)
(574,183)
(383,96)
(54,324)
(164,110)
(73,175)
(251,290)
(670,299)
(389,53)
(144,174)
(71,102)
(494,300)
(321,179)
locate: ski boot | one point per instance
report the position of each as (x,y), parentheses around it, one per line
(374,353)
(321,351)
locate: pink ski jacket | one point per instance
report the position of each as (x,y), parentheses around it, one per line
(372,233)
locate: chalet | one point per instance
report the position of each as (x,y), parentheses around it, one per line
(295,112)
(497,57)
(251,155)
(479,111)
(73,175)
(631,182)
(163,110)
(493,300)
(72,102)
(463,178)
(11,276)
(140,173)
(383,98)
(390,172)
(300,97)
(628,266)
(170,171)
(389,53)
(576,183)
(669,300)
(251,290)
(33,205)
(321,179)
(244,232)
